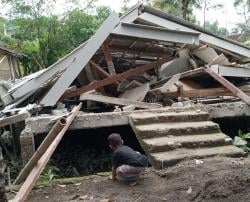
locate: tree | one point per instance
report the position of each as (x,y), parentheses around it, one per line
(182,8)
(243,9)
(45,37)
(207,6)
(215,29)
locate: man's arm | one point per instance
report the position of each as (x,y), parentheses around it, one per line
(113,173)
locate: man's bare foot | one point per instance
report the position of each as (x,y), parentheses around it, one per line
(132,184)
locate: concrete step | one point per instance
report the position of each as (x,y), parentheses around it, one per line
(189,116)
(175,129)
(165,159)
(161,144)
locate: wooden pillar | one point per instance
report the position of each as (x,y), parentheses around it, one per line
(108,58)
(27,143)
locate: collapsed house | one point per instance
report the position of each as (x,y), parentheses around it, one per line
(146,69)
(9,64)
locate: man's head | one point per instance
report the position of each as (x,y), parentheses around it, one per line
(115,140)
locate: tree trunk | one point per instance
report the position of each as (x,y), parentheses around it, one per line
(2,182)
(184,8)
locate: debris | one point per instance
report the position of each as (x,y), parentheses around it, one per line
(189,191)
(74,197)
(30,181)
(136,94)
(83,197)
(175,66)
(143,60)
(198,162)
(61,185)
(118,101)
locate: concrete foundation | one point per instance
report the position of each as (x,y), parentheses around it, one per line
(42,124)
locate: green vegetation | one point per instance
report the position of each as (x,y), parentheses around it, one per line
(49,174)
(33,27)
(243,141)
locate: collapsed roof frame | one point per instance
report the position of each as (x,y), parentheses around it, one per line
(157,25)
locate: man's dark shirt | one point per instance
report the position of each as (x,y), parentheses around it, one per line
(124,155)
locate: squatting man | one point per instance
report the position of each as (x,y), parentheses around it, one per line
(127,164)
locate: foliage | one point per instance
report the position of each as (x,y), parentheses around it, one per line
(215,29)
(243,9)
(183,8)
(242,141)
(206,7)
(50,173)
(45,37)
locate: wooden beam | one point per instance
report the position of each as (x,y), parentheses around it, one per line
(30,181)
(108,58)
(103,74)
(211,92)
(14,119)
(236,91)
(41,150)
(118,101)
(167,85)
(118,77)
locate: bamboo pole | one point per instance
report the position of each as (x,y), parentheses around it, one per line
(40,151)
(30,181)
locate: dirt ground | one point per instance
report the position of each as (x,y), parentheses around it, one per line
(213,179)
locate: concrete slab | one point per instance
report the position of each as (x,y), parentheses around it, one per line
(43,123)
(169,158)
(175,66)
(136,94)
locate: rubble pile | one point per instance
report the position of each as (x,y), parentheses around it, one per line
(144,60)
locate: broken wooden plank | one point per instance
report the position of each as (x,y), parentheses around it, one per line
(236,91)
(136,94)
(41,150)
(210,92)
(108,58)
(118,101)
(14,118)
(30,181)
(133,84)
(118,77)
(103,74)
